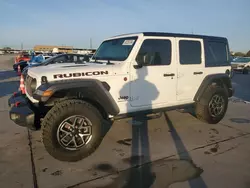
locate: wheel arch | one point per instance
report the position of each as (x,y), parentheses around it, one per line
(92,91)
(221,80)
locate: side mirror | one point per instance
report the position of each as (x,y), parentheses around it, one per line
(142,60)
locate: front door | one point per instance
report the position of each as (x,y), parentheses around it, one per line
(154,84)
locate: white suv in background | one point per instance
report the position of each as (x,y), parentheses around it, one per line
(241,64)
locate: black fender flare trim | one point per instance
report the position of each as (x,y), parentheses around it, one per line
(222,77)
(92,89)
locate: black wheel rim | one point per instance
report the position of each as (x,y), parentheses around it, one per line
(74,132)
(216,105)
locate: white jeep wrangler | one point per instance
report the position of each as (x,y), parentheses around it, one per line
(129,74)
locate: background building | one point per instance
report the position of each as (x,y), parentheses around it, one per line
(63,49)
(47,48)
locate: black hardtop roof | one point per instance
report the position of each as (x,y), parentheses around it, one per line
(163,34)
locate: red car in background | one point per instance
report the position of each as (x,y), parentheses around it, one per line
(22,57)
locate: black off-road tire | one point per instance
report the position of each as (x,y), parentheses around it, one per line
(59,113)
(202,107)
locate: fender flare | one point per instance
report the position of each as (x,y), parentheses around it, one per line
(91,89)
(222,78)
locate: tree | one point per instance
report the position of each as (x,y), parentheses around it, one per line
(248,54)
(239,54)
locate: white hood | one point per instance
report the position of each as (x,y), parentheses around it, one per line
(68,68)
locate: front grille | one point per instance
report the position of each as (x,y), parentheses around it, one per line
(30,84)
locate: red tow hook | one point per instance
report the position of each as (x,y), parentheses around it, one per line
(17,104)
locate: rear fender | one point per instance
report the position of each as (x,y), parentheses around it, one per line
(223,80)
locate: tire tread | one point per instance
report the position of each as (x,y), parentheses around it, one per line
(49,120)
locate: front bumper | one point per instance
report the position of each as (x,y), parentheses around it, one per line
(22,112)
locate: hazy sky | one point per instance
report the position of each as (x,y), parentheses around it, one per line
(74,22)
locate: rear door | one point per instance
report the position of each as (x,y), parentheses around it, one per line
(191,67)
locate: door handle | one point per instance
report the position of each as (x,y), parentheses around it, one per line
(198,73)
(171,74)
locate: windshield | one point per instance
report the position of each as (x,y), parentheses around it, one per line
(115,49)
(242,60)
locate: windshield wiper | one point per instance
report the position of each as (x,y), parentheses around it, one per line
(108,63)
(95,61)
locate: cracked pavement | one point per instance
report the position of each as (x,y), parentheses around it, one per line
(174,150)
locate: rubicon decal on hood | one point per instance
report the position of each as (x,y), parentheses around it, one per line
(80,74)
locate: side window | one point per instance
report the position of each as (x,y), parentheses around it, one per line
(69,58)
(75,58)
(84,58)
(81,58)
(159,51)
(216,54)
(190,52)
(60,59)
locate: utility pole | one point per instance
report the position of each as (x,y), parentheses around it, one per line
(21,46)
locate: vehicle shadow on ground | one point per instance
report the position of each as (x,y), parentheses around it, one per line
(7,88)
(184,154)
(143,172)
(7,74)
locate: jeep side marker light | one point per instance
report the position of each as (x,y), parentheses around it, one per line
(47,93)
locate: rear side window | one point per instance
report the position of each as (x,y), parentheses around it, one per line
(62,58)
(75,59)
(158,49)
(190,52)
(81,58)
(217,54)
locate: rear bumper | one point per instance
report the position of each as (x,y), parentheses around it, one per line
(21,112)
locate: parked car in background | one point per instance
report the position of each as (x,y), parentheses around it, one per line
(33,61)
(62,58)
(241,64)
(22,57)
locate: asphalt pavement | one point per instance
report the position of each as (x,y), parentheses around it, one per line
(174,150)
